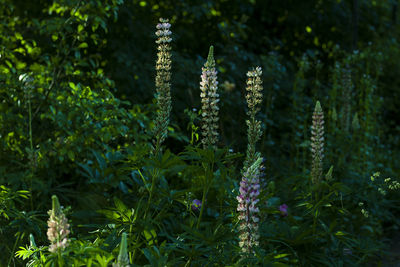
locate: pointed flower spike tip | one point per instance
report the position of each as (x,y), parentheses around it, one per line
(55,205)
(210,59)
(123,250)
(256,165)
(32,241)
(318,108)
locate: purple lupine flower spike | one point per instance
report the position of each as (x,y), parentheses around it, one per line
(247,208)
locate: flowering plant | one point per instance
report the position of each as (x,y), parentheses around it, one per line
(58,227)
(247,208)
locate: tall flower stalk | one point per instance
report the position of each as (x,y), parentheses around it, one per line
(209,113)
(163,77)
(253,98)
(209,101)
(247,208)
(317,143)
(58,227)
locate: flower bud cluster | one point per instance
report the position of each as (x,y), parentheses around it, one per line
(123,257)
(392,184)
(247,207)
(317,143)
(253,98)
(209,101)
(163,77)
(254,88)
(27,82)
(58,227)
(163,33)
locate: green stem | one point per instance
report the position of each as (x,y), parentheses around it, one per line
(208,180)
(12,252)
(31,151)
(203,202)
(30,124)
(59,258)
(315,215)
(158,145)
(134,251)
(153,182)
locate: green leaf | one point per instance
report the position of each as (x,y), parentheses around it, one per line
(340,233)
(150,236)
(80,28)
(83,45)
(71,155)
(72,85)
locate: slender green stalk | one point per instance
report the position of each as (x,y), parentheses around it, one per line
(32,153)
(300,124)
(59,259)
(28,86)
(209,175)
(203,201)
(154,179)
(13,250)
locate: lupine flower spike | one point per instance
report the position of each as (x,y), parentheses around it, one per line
(58,227)
(247,208)
(209,101)
(32,242)
(317,143)
(253,98)
(123,258)
(163,77)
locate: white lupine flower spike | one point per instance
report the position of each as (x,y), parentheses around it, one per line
(58,227)
(209,101)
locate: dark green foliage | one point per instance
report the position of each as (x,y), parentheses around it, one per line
(78,100)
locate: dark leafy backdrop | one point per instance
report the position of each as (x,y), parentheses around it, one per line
(77,108)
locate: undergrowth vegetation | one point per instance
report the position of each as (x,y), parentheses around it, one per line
(296,168)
